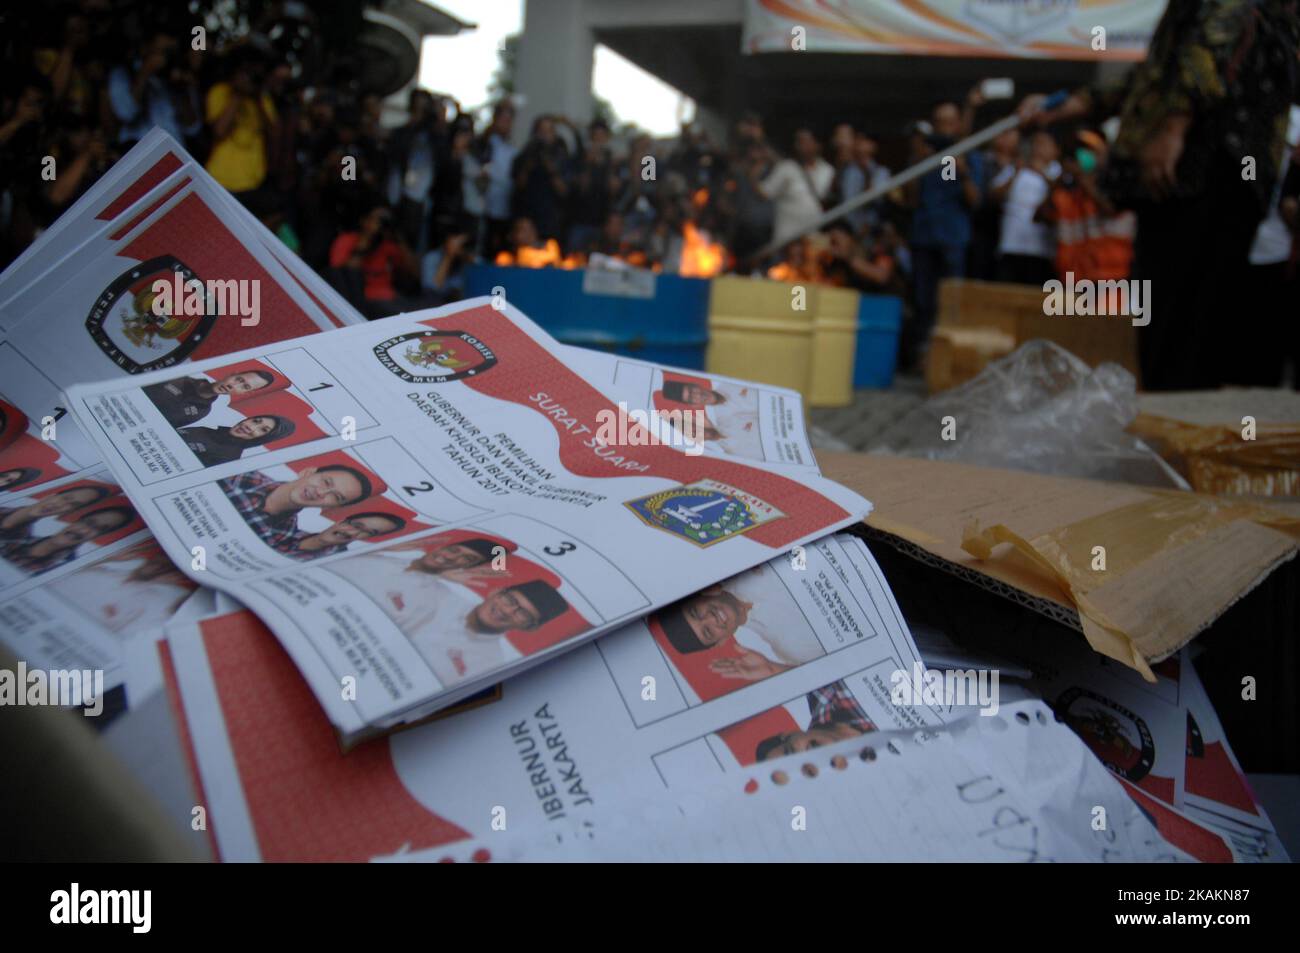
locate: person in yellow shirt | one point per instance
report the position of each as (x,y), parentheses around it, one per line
(242,119)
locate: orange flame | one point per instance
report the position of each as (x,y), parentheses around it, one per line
(527,256)
(700,257)
(800,264)
(548,256)
(786,271)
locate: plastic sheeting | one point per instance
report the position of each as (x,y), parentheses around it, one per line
(1039,409)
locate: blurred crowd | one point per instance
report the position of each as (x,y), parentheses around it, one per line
(392,212)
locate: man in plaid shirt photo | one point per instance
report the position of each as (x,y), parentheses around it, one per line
(271,507)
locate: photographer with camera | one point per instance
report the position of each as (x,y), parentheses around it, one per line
(242,119)
(413,151)
(368,263)
(442,271)
(155,90)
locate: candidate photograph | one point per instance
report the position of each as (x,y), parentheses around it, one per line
(740,631)
(271,507)
(232,412)
(26,460)
(15,478)
(131,591)
(824,716)
(308,545)
(456,596)
(17,522)
(185,401)
(34,555)
(730,410)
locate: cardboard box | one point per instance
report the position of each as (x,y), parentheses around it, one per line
(958,354)
(1173,561)
(1017,311)
(1241,442)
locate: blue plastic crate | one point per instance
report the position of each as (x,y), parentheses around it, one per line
(880,318)
(671,327)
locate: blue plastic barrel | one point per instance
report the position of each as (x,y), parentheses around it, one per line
(880,317)
(670,326)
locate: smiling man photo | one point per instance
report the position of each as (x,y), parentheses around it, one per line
(270,507)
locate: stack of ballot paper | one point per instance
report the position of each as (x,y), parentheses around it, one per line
(216,479)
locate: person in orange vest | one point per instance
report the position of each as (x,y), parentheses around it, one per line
(1094,240)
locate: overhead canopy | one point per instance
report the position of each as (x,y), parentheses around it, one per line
(1047,29)
(880,94)
(697,46)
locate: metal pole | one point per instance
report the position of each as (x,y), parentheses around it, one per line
(928,164)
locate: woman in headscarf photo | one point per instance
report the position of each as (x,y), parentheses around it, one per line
(214,445)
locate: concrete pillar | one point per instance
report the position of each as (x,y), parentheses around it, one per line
(553,74)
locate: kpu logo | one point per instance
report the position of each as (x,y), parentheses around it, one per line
(1115,734)
(139,337)
(434,357)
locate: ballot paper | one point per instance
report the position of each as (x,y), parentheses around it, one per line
(155,170)
(81,621)
(156,160)
(445,510)
(1148,735)
(61,527)
(95,630)
(1218,821)
(30,456)
(617,716)
(1142,731)
(1136,728)
(98,314)
(145,200)
(1248,843)
(77,305)
(721,415)
(1014,788)
(554,770)
(1216,791)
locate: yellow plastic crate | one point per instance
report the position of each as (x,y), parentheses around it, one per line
(755,333)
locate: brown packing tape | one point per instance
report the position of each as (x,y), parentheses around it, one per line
(1216,458)
(1103,637)
(1167,528)
(1175,561)
(1057,609)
